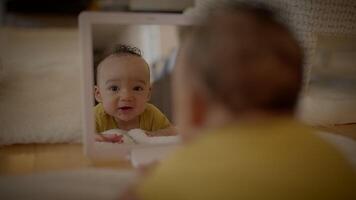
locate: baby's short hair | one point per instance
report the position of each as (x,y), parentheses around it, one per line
(251,60)
(118,49)
(126,49)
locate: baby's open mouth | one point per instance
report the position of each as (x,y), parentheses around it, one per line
(125,108)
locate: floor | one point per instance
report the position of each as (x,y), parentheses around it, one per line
(31,158)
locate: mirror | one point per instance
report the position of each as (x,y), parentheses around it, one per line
(127,105)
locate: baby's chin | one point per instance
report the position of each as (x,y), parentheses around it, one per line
(126,118)
(128,115)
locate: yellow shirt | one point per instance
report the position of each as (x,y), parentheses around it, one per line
(278,160)
(150,120)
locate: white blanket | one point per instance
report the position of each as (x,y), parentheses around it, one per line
(138,136)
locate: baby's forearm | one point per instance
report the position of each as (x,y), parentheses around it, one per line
(114,138)
(169,131)
(99,137)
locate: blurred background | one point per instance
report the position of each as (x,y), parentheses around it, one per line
(63,13)
(40,92)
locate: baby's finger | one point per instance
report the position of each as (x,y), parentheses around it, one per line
(150,134)
(117,139)
(110,136)
(99,138)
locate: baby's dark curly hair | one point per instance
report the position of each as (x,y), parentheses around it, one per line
(126,49)
(118,49)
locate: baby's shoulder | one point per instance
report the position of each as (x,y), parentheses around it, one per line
(99,110)
(151,108)
(151,112)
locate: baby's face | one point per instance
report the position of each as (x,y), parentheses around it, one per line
(123,86)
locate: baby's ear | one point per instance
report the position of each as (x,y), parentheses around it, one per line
(97,94)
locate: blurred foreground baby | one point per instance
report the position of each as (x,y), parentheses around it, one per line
(123,90)
(239,76)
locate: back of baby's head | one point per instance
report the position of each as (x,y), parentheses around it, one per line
(246,59)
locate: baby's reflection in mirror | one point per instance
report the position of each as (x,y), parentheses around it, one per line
(122,91)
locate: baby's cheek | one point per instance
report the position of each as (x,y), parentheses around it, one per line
(109,107)
(141,107)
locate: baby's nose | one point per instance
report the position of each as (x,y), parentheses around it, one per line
(126,95)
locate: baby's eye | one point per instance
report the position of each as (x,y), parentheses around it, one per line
(138,88)
(114,88)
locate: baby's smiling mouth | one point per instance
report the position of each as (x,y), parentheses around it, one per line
(124,108)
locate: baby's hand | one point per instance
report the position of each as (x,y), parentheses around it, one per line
(110,137)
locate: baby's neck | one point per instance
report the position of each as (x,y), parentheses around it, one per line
(128,125)
(218,116)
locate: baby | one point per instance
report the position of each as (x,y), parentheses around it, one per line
(123,90)
(237,78)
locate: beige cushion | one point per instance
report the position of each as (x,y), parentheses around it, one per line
(39,86)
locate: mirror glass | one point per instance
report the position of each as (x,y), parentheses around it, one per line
(126,97)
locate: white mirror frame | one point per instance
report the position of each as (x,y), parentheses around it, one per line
(92,149)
